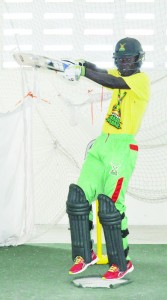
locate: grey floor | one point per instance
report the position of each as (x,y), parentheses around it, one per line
(138,234)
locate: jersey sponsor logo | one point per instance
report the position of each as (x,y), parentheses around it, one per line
(115,118)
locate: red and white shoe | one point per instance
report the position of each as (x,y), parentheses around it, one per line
(115,273)
(80,265)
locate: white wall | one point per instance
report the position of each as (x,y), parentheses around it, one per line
(143,213)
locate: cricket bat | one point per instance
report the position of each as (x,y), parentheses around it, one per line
(38,61)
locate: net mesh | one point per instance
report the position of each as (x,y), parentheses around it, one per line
(66,116)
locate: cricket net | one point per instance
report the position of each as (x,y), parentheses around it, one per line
(49,121)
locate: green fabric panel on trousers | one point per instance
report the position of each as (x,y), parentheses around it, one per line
(109,160)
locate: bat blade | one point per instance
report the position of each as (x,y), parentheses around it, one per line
(33,60)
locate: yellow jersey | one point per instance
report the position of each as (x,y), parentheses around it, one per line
(127,106)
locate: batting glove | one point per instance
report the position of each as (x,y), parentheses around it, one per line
(73,72)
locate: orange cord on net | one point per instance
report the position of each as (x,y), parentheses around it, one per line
(30,94)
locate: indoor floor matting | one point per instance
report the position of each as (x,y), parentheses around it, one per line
(40,272)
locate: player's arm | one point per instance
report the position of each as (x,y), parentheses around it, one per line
(93,67)
(106,79)
(102,77)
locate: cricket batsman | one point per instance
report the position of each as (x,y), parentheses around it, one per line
(110,162)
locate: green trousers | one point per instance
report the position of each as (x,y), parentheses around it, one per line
(107,170)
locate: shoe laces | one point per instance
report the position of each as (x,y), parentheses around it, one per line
(113,268)
(78,260)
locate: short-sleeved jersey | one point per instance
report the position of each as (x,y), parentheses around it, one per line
(127,106)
